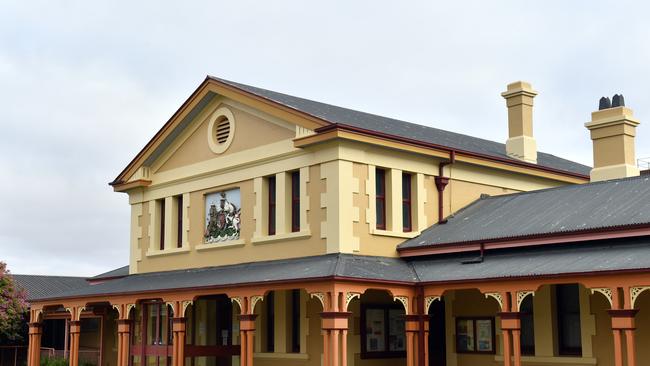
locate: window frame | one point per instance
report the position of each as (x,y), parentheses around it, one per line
(365,354)
(295,201)
(179,221)
(272,204)
(473,319)
(380,182)
(407,202)
(161,241)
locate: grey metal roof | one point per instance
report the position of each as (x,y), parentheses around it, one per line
(610,255)
(587,257)
(118,272)
(37,286)
(324,266)
(600,205)
(390,126)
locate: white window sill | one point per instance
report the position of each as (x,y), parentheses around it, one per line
(281,237)
(396,234)
(170,251)
(221,245)
(292,356)
(561,360)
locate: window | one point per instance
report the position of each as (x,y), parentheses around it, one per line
(475,335)
(527,327)
(179,221)
(270,322)
(295,321)
(380,193)
(271,185)
(161,205)
(295,201)
(382,333)
(567,305)
(407,217)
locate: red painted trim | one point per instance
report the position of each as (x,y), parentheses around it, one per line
(530,240)
(344,127)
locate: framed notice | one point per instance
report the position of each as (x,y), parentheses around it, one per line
(383,333)
(475,335)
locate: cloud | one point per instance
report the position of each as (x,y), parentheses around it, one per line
(86,84)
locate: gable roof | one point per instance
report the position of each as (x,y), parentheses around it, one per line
(389,126)
(621,203)
(326,115)
(116,273)
(37,286)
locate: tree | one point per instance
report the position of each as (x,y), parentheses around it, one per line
(13,308)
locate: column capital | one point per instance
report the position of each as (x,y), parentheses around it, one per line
(75,326)
(178,324)
(623,319)
(35,328)
(247,322)
(123,326)
(510,320)
(335,320)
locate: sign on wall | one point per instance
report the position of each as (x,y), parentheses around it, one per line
(222,216)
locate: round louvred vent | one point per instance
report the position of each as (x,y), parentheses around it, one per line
(221,130)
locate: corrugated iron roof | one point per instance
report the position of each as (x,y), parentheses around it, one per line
(588,257)
(573,208)
(118,272)
(604,256)
(324,266)
(395,127)
(38,287)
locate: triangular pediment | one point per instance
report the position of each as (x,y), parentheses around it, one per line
(198,132)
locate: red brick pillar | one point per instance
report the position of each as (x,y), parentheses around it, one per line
(123,341)
(511,328)
(623,322)
(246,332)
(417,328)
(34,349)
(178,342)
(75,329)
(335,325)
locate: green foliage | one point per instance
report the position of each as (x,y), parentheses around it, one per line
(13,308)
(54,361)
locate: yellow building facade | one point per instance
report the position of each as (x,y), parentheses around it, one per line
(271,230)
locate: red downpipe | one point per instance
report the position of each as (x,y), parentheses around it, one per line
(441,183)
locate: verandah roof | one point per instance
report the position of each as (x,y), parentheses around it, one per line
(576,258)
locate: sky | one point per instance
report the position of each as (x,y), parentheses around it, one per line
(85,84)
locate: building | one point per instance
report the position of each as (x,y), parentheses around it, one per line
(268,229)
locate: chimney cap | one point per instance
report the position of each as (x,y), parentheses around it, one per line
(604,103)
(519,88)
(618,101)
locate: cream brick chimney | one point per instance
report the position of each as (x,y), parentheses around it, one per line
(521,144)
(613,129)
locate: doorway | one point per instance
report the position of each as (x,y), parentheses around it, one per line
(437,334)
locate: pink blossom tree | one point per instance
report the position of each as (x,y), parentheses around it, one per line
(13,308)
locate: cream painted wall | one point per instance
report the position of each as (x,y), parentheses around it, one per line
(337,193)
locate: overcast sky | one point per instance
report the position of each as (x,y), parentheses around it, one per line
(85,84)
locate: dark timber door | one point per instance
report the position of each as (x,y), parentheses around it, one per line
(437,339)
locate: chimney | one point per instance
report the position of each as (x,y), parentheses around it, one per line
(521,144)
(613,128)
